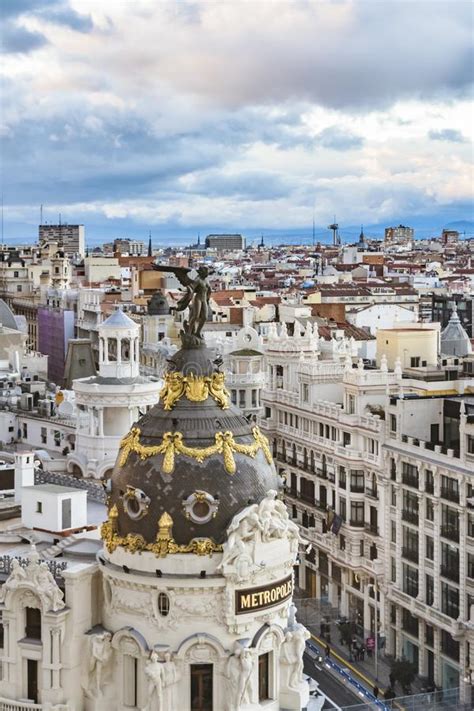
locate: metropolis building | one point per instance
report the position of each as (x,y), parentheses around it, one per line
(189,605)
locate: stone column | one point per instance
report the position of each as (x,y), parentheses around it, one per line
(91,421)
(100,413)
(119,350)
(437,555)
(56,657)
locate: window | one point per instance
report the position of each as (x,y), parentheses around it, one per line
(470,444)
(342,477)
(450,601)
(450,489)
(357,513)
(233,397)
(429,547)
(429,481)
(39,507)
(346,439)
(393,423)
(44,435)
(19,287)
(16,274)
(393,527)
(393,496)
(393,570)
(415,362)
(410,474)
(130,686)
(429,510)
(342,542)
(264,676)
(470,565)
(305,392)
(350,404)
(410,580)
(163,604)
(410,507)
(450,523)
(32,623)
(25,431)
(410,544)
(429,635)
(268,412)
(241,398)
(201,687)
(357,482)
(57,438)
(342,508)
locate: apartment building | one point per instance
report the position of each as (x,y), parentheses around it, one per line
(70,238)
(379,471)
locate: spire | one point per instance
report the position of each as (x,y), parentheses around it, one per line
(199,239)
(361,236)
(262,243)
(150,250)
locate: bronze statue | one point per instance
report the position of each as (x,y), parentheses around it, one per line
(196,297)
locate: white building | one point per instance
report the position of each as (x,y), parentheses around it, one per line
(379,477)
(54,508)
(111,401)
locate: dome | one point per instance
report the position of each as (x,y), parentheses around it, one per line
(118,319)
(454,338)
(191,463)
(158,305)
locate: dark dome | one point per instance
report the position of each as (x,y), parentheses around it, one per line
(158,305)
(200,496)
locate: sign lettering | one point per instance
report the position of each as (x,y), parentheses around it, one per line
(253,599)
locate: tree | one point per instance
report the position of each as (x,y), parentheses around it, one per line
(346,630)
(404,672)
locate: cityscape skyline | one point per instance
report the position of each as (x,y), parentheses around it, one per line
(195,117)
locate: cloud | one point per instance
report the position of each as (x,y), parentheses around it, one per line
(18,40)
(338,139)
(450,135)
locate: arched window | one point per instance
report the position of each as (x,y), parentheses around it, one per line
(163,604)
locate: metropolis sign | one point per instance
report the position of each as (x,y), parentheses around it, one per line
(254,599)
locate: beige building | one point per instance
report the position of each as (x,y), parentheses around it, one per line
(414,345)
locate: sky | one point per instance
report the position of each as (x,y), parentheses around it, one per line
(181,118)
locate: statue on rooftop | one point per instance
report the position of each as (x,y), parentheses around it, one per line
(196,299)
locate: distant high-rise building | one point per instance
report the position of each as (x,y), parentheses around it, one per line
(227,243)
(449,237)
(399,235)
(70,238)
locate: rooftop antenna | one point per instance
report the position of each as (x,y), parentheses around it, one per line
(41,214)
(150,249)
(2,218)
(335,236)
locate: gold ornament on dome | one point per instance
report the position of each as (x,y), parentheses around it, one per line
(173,444)
(164,544)
(194,388)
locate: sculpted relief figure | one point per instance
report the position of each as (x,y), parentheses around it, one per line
(196,298)
(162,679)
(36,577)
(100,656)
(239,677)
(291,654)
(265,522)
(48,588)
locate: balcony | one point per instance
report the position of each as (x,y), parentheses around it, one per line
(412,481)
(450,495)
(410,554)
(451,533)
(12,705)
(410,516)
(357,524)
(450,572)
(372,492)
(371,529)
(356,489)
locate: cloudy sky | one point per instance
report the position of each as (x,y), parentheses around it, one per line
(184,117)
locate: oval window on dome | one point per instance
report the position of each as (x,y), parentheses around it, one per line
(200,507)
(163,604)
(135,503)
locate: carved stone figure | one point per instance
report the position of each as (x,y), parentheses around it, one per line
(239,677)
(37,578)
(155,673)
(171,678)
(291,654)
(100,657)
(48,588)
(196,298)
(265,522)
